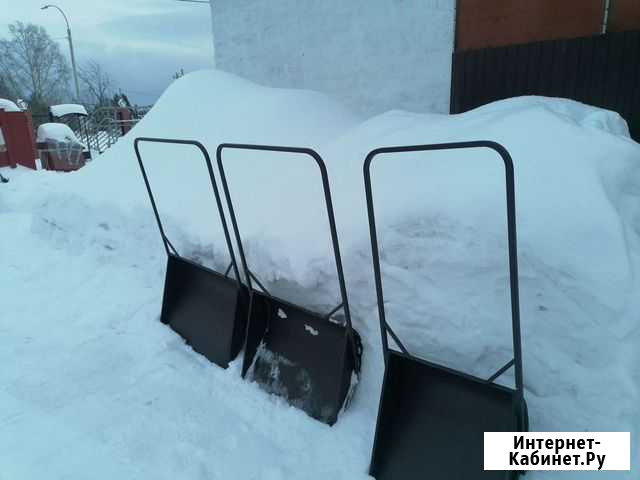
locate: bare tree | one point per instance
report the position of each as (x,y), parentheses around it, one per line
(178,74)
(5,91)
(97,84)
(32,65)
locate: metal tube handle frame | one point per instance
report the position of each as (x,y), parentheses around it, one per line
(203,150)
(512,243)
(330,214)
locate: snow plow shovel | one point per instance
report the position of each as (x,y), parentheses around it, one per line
(303,356)
(206,308)
(431,419)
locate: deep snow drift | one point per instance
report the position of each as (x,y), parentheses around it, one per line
(97,387)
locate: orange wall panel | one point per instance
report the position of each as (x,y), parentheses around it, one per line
(492,23)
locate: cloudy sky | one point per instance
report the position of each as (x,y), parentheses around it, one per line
(141,43)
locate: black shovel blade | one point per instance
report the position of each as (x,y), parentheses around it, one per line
(432,420)
(205,308)
(300,356)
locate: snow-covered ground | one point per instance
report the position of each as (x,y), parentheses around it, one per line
(93,386)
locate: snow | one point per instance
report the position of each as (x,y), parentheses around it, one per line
(8,105)
(68,109)
(311,330)
(56,131)
(92,371)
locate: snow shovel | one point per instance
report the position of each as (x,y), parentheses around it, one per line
(431,419)
(306,357)
(206,308)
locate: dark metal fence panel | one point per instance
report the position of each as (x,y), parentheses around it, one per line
(602,70)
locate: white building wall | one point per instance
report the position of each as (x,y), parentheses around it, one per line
(374,55)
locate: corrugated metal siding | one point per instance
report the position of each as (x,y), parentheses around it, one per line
(599,70)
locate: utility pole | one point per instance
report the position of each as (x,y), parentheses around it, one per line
(73,57)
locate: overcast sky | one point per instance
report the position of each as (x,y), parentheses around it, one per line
(141,43)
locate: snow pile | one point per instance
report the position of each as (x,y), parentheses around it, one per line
(569,110)
(58,132)
(8,105)
(245,113)
(115,381)
(68,109)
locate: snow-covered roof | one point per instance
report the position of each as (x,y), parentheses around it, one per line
(68,109)
(56,131)
(8,105)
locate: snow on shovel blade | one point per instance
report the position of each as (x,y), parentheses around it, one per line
(205,308)
(299,355)
(291,351)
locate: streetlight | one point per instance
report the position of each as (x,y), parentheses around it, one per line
(73,57)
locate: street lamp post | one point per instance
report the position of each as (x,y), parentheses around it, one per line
(73,57)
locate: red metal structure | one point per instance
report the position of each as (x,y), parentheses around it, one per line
(4,156)
(124,117)
(60,157)
(19,142)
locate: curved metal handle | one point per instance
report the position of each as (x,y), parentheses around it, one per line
(203,150)
(511,232)
(327,195)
